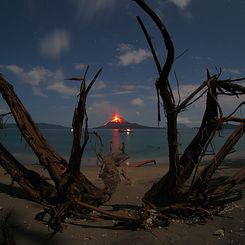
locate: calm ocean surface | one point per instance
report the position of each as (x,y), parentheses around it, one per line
(140,144)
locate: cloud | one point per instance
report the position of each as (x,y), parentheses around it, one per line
(133,57)
(38,91)
(184,120)
(98,85)
(124,47)
(129,55)
(185,90)
(102,108)
(122,92)
(232,70)
(128,87)
(55,43)
(152,97)
(182,4)
(34,76)
(202,58)
(80,66)
(89,9)
(43,80)
(62,88)
(97,95)
(137,102)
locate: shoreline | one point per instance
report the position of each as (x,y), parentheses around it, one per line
(31,159)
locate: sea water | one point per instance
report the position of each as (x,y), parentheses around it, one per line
(140,144)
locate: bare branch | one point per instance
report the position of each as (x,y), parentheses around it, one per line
(181,54)
(167,39)
(82,78)
(30,181)
(55,164)
(5,114)
(148,38)
(78,120)
(230,87)
(93,81)
(177,81)
(187,100)
(233,119)
(209,170)
(238,107)
(200,96)
(99,152)
(107,213)
(86,135)
(223,188)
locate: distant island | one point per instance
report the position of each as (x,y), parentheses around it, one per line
(118,122)
(39,125)
(229,126)
(224,126)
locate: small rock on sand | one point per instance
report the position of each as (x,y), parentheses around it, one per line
(219,232)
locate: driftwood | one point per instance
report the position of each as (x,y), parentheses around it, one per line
(142,163)
(169,189)
(69,181)
(109,173)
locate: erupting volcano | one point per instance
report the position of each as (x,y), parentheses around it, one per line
(117,122)
(117,119)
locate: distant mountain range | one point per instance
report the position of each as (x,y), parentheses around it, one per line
(225,126)
(40,125)
(229,126)
(118,123)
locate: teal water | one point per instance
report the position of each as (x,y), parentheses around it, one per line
(140,144)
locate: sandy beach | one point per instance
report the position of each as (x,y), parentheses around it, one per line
(27,230)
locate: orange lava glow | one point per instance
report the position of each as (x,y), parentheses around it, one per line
(116,118)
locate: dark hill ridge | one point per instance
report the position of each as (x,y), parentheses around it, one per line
(120,123)
(124,125)
(40,125)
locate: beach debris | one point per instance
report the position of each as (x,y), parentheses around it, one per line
(148,223)
(86,238)
(40,215)
(142,163)
(219,232)
(109,174)
(112,166)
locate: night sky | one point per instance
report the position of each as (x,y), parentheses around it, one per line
(43,42)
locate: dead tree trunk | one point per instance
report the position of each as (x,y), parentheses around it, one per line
(48,158)
(30,181)
(70,184)
(169,189)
